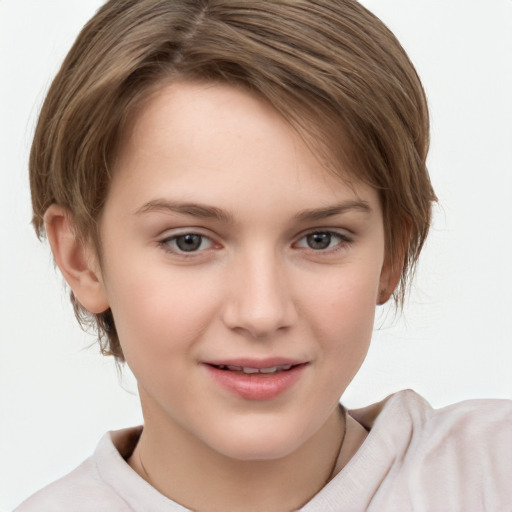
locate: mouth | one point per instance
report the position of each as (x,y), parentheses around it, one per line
(248,370)
(251,379)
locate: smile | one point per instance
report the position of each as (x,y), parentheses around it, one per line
(252,380)
(249,370)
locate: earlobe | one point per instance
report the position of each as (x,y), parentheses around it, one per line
(77,262)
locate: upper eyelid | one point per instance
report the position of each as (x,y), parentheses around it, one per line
(176,232)
(178,235)
(345,233)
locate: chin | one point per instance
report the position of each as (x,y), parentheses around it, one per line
(257,443)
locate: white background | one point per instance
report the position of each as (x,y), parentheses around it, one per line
(454,340)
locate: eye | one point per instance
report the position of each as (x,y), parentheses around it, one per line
(322,240)
(187,242)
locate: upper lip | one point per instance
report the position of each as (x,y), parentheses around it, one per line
(248,362)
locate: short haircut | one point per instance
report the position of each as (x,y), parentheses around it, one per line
(331,68)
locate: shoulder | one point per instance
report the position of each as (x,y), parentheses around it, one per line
(80,490)
(458,455)
(85,488)
(465,430)
(489,417)
(490,420)
(480,424)
(473,436)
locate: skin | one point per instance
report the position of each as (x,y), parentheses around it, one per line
(254,287)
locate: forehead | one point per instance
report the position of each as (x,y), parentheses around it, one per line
(210,139)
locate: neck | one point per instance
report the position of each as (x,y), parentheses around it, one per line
(199,478)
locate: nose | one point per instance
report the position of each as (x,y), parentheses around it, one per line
(260,299)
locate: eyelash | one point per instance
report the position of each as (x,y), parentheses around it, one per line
(342,241)
(166,243)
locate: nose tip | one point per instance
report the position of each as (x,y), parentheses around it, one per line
(260,304)
(260,323)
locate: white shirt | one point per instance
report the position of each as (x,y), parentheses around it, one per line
(415,459)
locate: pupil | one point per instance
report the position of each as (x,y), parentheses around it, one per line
(319,240)
(188,243)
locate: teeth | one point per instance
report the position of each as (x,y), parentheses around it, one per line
(250,370)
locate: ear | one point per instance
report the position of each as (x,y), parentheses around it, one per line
(389,278)
(394,263)
(78,263)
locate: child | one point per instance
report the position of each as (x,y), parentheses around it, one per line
(229,189)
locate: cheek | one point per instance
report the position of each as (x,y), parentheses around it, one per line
(159,311)
(346,296)
(344,321)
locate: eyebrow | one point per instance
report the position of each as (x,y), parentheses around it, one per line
(193,209)
(212,212)
(315,214)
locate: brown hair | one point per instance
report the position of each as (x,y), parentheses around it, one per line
(332,69)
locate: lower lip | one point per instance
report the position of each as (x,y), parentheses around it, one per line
(257,386)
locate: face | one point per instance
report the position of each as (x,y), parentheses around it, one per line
(242,277)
